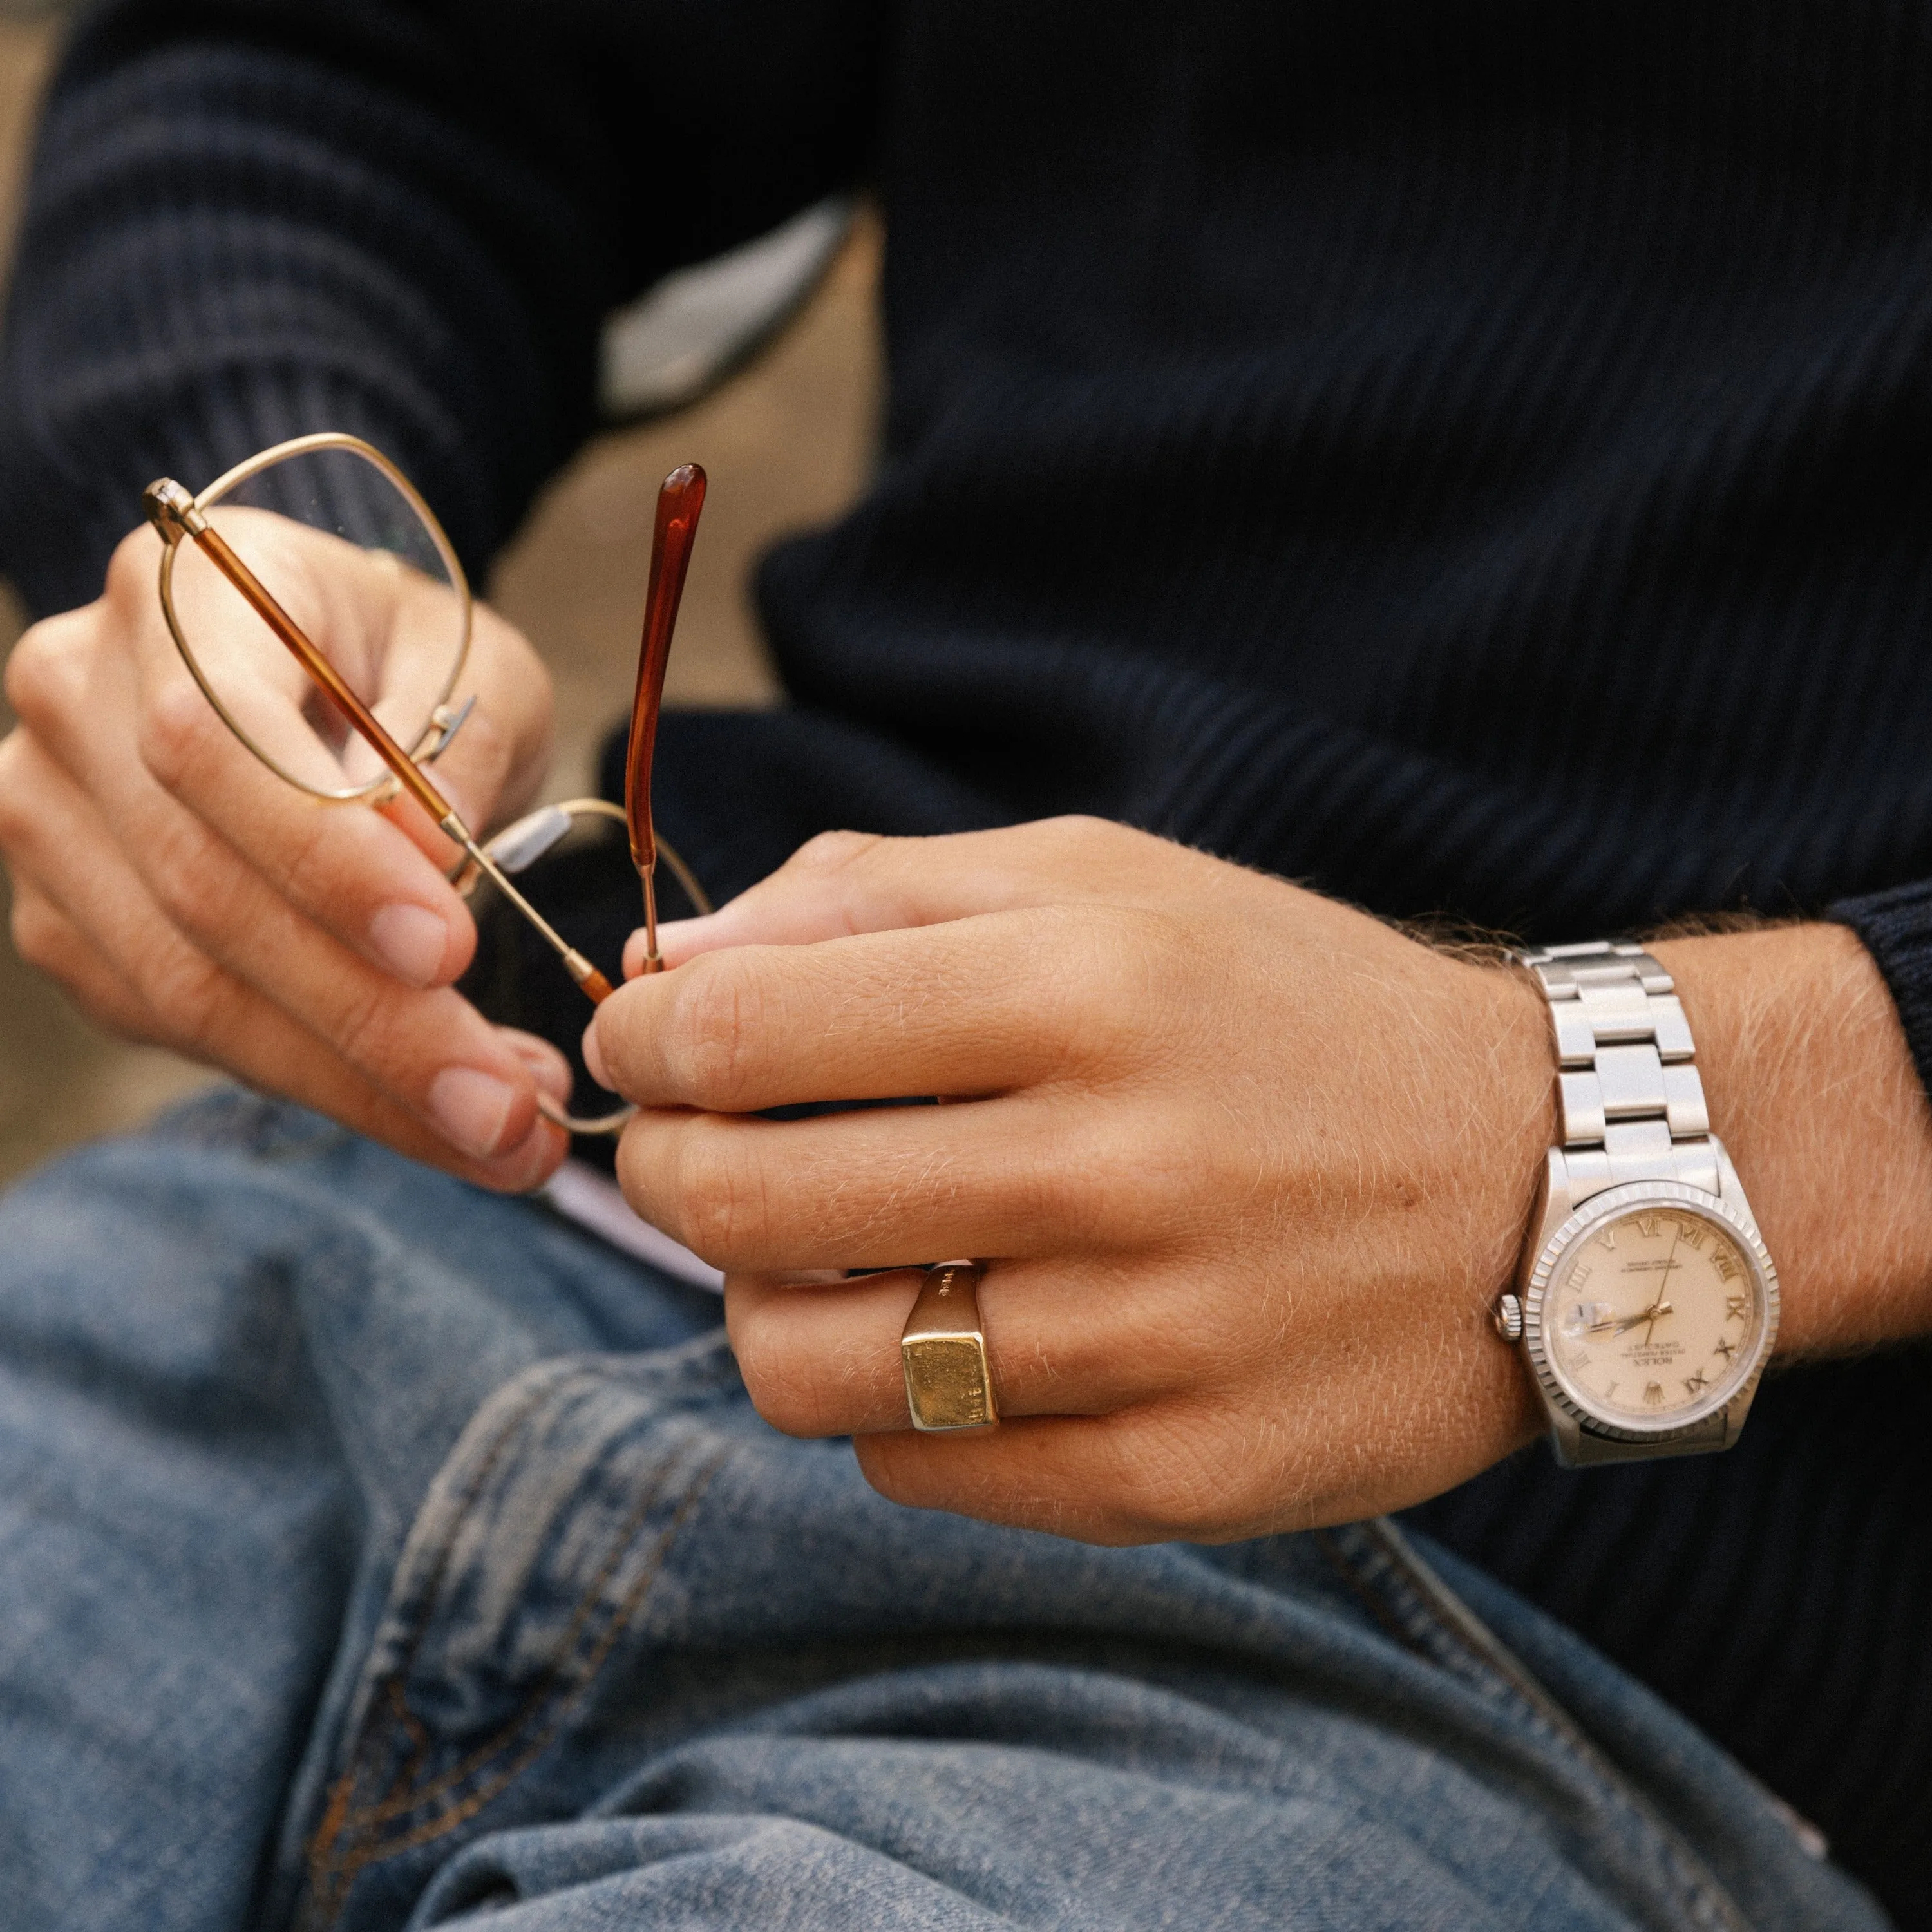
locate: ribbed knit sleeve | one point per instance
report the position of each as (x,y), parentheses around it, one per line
(254,219)
(1896,929)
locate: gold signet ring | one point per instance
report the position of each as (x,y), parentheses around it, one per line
(943,1350)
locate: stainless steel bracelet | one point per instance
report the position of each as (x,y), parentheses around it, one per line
(1631,1103)
(1631,1108)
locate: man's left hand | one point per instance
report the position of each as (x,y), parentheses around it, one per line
(1246,1168)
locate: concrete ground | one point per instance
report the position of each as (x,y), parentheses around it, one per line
(786,443)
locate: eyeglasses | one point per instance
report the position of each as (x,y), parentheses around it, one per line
(371,604)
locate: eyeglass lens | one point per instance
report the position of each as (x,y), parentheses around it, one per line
(352,560)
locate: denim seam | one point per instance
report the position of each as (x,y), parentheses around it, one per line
(330,1881)
(538,1389)
(464,1501)
(558,1698)
(388,1807)
(1389,1578)
(333,1863)
(335,1814)
(1487,1653)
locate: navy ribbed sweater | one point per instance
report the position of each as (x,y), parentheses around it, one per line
(1472,456)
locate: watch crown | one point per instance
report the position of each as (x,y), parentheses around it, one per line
(1509,1317)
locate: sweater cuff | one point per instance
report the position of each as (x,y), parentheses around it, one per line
(1896,927)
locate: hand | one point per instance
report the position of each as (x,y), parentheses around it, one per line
(1247,1167)
(1623,1324)
(185,895)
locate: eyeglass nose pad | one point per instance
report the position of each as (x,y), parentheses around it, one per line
(518,847)
(612,1124)
(448,723)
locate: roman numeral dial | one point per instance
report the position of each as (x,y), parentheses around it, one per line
(1656,1313)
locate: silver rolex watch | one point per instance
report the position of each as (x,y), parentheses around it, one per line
(1646,1304)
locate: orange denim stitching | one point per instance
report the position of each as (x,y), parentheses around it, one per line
(333,1869)
(394,1806)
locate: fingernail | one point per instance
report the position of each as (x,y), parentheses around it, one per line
(471,1108)
(410,940)
(593,1060)
(530,1163)
(673,934)
(548,1067)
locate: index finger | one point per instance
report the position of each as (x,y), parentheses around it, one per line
(371,878)
(843,883)
(974,1005)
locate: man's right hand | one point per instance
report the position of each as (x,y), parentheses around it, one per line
(185,895)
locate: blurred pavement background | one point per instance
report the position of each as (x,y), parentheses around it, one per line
(787,441)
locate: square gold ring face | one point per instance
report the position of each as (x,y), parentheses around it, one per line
(942,1350)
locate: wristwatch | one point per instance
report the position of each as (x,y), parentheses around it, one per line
(1646,1304)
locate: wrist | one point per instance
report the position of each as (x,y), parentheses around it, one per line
(1514,1124)
(1812,1089)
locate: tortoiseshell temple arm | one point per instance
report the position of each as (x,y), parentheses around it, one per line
(680,502)
(174,513)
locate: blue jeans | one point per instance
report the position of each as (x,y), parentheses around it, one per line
(374,1552)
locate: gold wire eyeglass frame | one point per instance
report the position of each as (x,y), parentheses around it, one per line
(440,726)
(521,844)
(179,517)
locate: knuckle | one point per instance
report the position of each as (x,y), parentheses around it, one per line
(1160,1489)
(473,771)
(16,799)
(886,1469)
(1057,1196)
(714,1012)
(719,1199)
(830,852)
(185,878)
(916,1471)
(1074,836)
(45,671)
(40,935)
(133,564)
(779,1378)
(1066,1181)
(516,667)
(1097,1007)
(185,989)
(361,1028)
(488,750)
(506,743)
(311,871)
(175,727)
(131,588)
(1079,828)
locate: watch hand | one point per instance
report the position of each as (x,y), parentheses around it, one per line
(1669,1262)
(1617,1325)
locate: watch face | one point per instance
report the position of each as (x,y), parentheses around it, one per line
(1654,1315)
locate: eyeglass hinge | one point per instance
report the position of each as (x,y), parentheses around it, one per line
(171,510)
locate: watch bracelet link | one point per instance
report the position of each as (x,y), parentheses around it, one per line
(1630,1107)
(1630,1103)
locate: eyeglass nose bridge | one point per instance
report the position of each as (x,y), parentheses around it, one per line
(518,847)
